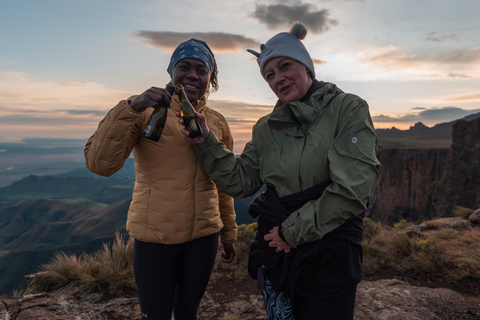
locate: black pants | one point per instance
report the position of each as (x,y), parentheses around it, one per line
(173,277)
(328,286)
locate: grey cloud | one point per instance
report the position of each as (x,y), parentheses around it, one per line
(217,41)
(458,75)
(22,119)
(446,113)
(49,143)
(50,112)
(437,115)
(433,36)
(232,120)
(283,15)
(397,59)
(83,112)
(387,119)
(460,56)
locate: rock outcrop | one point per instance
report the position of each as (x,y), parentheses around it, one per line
(421,184)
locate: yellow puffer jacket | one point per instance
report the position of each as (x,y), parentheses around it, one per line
(173,201)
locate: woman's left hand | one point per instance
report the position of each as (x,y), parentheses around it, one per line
(229,252)
(276,241)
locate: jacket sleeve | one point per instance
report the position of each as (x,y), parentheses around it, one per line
(113,141)
(352,159)
(228,234)
(239,176)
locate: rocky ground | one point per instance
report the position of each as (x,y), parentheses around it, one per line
(386,299)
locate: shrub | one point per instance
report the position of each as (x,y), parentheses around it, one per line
(403,224)
(370,228)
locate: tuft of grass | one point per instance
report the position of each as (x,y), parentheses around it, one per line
(463,212)
(431,225)
(108,270)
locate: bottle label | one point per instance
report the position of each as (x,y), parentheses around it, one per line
(193,125)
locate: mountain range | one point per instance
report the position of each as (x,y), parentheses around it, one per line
(419,135)
(74,212)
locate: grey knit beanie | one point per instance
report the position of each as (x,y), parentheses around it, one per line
(286,44)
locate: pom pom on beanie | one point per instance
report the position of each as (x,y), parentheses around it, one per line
(286,44)
(299,30)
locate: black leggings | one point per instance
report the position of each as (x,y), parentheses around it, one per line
(173,277)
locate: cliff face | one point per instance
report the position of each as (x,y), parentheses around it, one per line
(408,179)
(420,184)
(465,155)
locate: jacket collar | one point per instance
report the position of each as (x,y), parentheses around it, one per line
(291,117)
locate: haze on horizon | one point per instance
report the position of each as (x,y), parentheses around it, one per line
(63,65)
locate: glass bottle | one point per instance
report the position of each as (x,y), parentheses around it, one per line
(187,112)
(155,126)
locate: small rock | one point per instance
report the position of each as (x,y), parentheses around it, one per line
(475,217)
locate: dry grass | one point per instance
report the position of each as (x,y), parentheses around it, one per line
(108,270)
(238,268)
(463,212)
(436,255)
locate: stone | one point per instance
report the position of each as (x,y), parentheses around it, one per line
(475,217)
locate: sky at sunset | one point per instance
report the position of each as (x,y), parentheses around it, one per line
(64,64)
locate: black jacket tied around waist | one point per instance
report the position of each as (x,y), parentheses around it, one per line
(284,269)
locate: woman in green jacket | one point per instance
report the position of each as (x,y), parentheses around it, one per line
(316,153)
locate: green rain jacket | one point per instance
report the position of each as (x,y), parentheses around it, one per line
(330,136)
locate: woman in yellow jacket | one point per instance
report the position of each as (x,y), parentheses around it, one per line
(177,213)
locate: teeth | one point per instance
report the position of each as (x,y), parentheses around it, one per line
(189,86)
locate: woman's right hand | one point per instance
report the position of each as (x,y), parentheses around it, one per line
(203,124)
(152,97)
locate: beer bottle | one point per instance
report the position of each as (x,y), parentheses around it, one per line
(187,112)
(155,126)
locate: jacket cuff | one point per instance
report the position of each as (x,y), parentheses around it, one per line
(127,102)
(212,138)
(280,233)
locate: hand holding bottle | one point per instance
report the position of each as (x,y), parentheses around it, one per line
(151,98)
(157,121)
(203,124)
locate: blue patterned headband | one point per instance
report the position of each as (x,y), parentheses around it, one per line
(195,49)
